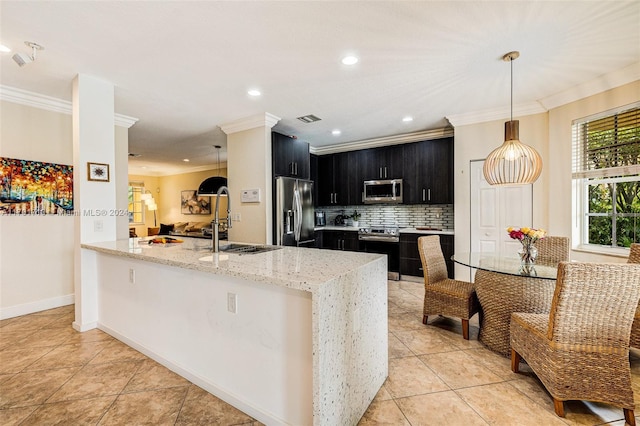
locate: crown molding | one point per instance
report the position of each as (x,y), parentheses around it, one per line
(384,141)
(598,85)
(37,100)
(501,113)
(601,84)
(258,120)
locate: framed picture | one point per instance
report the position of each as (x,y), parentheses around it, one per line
(98,172)
(191,203)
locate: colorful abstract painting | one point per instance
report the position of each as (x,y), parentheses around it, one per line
(33,187)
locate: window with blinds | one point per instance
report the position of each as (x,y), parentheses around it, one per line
(607,146)
(606,172)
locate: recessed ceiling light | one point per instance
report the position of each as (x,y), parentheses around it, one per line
(186,160)
(4,49)
(349,60)
(407,119)
(254,92)
(336,132)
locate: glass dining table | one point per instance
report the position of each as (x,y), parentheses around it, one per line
(504,286)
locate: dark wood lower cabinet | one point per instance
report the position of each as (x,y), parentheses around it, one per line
(410,263)
(339,240)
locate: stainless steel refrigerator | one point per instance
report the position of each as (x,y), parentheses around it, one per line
(294,213)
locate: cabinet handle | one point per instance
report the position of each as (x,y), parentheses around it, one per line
(420,269)
(296,165)
(424,194)
(385,172)
(429,192)
(380,172)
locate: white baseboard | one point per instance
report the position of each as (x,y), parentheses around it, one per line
(37,306)
(228,397)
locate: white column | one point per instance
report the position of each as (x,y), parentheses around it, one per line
(249,167)
(95,201)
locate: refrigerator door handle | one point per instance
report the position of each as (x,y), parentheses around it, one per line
(297,213)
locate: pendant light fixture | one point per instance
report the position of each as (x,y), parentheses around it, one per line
(209,187)
(512,163)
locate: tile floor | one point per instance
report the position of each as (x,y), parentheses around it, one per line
(50,374)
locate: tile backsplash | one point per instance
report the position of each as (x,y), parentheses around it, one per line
(404,216)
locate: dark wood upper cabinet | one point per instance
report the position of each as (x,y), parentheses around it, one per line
(313,175)
(428,172)
(380,163)
(290,156)
(335,179)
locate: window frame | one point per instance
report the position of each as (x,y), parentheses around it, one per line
(583,177)
(133,188)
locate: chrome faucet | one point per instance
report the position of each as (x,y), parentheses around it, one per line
(216,218)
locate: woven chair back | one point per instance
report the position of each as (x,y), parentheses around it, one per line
(433,264)
(553,250)
(594,304)
(634,253)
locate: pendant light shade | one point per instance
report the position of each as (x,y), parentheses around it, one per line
(209,187)
(512,163)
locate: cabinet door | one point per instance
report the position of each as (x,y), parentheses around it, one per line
(290,156)
(392,162)
(313,175)
(300,159)
(447,245)
(325,180)
(282,154)
(351,241)
(341,169)
(412,192)
(442,171)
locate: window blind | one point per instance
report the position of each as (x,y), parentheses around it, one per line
(608,144)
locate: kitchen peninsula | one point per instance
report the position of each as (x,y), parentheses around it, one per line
(291,336)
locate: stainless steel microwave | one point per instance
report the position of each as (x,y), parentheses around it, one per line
(382,191)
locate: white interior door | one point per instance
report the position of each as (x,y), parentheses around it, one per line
(494,209)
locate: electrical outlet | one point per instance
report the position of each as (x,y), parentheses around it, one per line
(232,303)
(132,275)
(236,217)
(98,226)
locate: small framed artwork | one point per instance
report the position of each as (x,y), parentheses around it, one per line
(98,172)
(191,203)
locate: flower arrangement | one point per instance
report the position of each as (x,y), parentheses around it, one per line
(527,236)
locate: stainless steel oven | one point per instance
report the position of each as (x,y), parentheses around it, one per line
(382,240)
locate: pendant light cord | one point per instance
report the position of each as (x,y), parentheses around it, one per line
(511,63)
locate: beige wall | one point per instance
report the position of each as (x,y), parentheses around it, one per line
(249,154)
(37,252)
(559,200)
(166,191)
(550,134)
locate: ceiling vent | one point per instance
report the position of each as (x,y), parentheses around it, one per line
(309,118)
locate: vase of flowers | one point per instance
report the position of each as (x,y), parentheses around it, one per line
(527,237)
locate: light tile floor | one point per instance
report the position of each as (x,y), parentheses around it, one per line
(50,374)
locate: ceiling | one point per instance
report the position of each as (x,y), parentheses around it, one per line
(184,68)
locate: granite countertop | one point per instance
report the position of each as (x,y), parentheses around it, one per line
(337,228)
(299,268)
(427,231)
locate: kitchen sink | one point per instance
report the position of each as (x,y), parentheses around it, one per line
(247,248)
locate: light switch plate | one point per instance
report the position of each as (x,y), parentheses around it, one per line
(250,195)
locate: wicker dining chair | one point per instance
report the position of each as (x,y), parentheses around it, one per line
(553,250)
(580,350)
(634,257)
(442,295)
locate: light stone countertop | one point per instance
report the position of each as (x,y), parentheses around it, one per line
(426,232)
(337,228)
(298,268)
